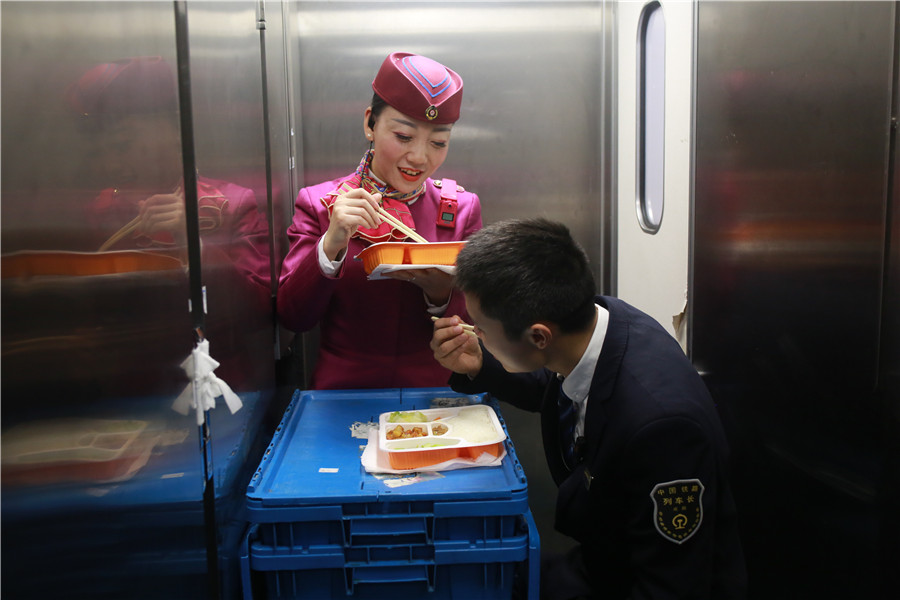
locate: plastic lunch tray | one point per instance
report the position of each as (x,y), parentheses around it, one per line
(313,458)
(409,253)
(439,439)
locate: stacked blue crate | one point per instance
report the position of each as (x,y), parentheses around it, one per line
(141,536)
(322,527)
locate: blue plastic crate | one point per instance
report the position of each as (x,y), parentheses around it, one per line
(510,547)
(312,506)
(492,581)
(488,572)
(425,523)
(313,461)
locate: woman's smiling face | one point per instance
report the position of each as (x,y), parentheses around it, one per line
(407,151)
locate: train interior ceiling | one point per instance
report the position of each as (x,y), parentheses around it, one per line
(729,167)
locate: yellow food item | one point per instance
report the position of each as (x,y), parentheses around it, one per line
(401,433)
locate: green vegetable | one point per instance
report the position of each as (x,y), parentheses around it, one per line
(413,416)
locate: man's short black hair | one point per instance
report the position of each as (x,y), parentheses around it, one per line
(524,271)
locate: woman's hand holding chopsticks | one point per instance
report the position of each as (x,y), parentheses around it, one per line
(352,210)
(159,212)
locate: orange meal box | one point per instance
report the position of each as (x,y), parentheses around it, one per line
(81,264)
(417,439)
(74,449)
(409,253)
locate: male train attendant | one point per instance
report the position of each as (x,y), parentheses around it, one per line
(630,432)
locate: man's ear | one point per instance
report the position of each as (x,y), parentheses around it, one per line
(540,336)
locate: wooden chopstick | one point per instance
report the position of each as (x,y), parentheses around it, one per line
(385,215)
(128,228)
(470,329)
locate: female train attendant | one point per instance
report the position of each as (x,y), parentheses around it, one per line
(376,333)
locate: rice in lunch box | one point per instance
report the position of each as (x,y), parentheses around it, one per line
(475,426)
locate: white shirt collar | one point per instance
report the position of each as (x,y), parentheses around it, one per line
(578,384)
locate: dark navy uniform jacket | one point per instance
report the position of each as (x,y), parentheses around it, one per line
(649,500)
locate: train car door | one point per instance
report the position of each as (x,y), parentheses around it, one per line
(654,58)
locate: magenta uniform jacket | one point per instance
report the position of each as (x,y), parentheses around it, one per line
(374,334)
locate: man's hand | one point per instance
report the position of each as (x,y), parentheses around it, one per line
(455,348)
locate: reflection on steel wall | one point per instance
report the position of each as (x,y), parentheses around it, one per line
(277,31)
(102,479)
(890,360)
(889,371)
(279,71)
(226,87)
(793,120)
(533,134)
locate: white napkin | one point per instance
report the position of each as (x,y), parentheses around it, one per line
(205,387)
(380,271)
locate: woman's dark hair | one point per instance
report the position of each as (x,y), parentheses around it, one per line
(526,271)
(378,105)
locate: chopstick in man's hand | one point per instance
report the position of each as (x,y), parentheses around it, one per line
(470,329)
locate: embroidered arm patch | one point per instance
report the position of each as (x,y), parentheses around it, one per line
(677,508)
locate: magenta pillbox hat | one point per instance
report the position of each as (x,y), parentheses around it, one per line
(419,87)
(129,86)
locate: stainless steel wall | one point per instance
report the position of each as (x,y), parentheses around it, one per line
(529,139)
(889,372)
(793,122)
(533,137)
(102,479)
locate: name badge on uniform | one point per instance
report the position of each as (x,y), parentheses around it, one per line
(677,508)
